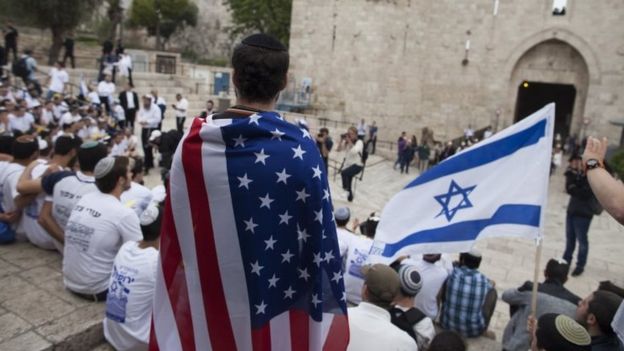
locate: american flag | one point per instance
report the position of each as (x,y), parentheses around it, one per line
(249,257)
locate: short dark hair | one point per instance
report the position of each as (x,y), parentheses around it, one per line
(603,306)
(137,166)
(342,222)
(557,270)
(107,183)
(447,340)
(469,260)
(24,147)
(210,101)
(64,145)
(88,157)
(259,73)
(6,144)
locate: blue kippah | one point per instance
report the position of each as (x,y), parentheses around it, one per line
(264,41)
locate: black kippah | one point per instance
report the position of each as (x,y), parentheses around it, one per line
(264,41)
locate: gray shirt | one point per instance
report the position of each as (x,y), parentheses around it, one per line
(516,336)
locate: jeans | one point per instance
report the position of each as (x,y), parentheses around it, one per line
(576,229)
(180,124)
(347,176)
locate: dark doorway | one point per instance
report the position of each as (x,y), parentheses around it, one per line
(533,95)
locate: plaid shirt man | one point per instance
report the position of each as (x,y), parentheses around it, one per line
(466,290)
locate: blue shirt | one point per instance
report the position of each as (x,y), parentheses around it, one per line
(466,290)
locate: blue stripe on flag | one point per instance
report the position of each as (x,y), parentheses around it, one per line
(485,154)
(469,230)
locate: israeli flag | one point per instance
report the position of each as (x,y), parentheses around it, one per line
(497,187)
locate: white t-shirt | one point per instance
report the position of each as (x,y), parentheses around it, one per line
(424,330)
(344,241)
(357,256)
(181,105)
(94,98)
(23,123)
(46,117)
(151,116)
(34,232)
(9,192)
(433,277)
(99,224)
(58,79)
(370,328)
(119,150)
(59,110)
(67,192)
(129,300)
(106,89)
(120,114)
(137,198)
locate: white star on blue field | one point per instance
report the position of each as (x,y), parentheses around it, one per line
(445,200)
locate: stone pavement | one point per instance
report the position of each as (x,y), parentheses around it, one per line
(37,313)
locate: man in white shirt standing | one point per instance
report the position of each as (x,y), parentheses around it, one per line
(369,323)
(180,107)
(131,287)
(105,90)
(149,117)
(99,224)
(57,78)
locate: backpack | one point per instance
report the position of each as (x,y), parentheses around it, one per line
(406,320)
(20,68)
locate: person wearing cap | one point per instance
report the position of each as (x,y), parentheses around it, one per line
(556,332)
(434,270)
(138,197)
(25,149)
(167,144)
(370,325)
(21,120)
(97,227)
(552,297)
(404,315)
(181,109)
(582,207)
(149,117)
(30,184)
(57,78)
(65,189)
(596,313)
(131,287)
(468,298)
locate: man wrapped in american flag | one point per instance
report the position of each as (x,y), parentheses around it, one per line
(249,255)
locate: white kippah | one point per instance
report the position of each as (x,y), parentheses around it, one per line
(103,167)
(150,215)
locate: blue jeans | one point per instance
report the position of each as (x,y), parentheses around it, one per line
(576,229)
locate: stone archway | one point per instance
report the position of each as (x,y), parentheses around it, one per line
(554,65)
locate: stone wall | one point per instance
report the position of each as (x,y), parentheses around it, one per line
(399,62)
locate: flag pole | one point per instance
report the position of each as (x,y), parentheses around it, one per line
(538,255)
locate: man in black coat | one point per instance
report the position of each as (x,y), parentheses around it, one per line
(579,214)
(10,41)
(129,101)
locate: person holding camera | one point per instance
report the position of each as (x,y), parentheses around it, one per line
(324,143)
(352,164)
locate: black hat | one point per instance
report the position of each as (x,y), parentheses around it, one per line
(264,41)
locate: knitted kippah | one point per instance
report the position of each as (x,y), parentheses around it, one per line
(103,167)
(571,330)
(264,41)
(411,282)
(89,144)
(150,215)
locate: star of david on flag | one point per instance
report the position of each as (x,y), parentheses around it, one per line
(446,200)
(497,187)
(249,257)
